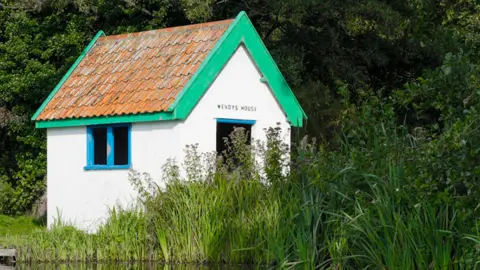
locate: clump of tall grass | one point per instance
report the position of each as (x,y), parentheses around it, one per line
(222,210)
(122,238)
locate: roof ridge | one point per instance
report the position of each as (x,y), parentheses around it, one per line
(122,50)
(172,29)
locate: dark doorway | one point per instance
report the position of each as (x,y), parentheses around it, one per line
(224,129)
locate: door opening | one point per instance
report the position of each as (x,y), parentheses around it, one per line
(225,127)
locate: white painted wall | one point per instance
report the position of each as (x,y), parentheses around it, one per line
(83,197)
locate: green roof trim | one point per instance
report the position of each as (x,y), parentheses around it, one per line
(160,116)
(69,72)
(240,32)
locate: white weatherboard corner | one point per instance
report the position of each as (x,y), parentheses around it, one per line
(84,197)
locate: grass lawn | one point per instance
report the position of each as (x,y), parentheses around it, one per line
(15,229)
(18,225)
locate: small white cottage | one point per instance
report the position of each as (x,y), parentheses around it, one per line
(135,100)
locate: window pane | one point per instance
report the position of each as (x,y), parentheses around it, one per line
(120,135)
(100,146)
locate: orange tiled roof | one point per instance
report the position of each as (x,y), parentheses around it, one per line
(134,73)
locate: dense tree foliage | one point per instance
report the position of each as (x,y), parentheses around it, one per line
(418,57)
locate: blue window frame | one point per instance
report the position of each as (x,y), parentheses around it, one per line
(236,121)
(109,147)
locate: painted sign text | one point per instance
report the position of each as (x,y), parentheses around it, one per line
(234,107)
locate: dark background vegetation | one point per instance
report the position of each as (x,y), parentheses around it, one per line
(350,64)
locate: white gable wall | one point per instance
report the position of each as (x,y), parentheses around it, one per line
(238,85)
(83,197)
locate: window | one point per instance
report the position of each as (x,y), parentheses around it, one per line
(108,147)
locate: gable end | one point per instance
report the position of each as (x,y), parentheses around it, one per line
(241,32)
